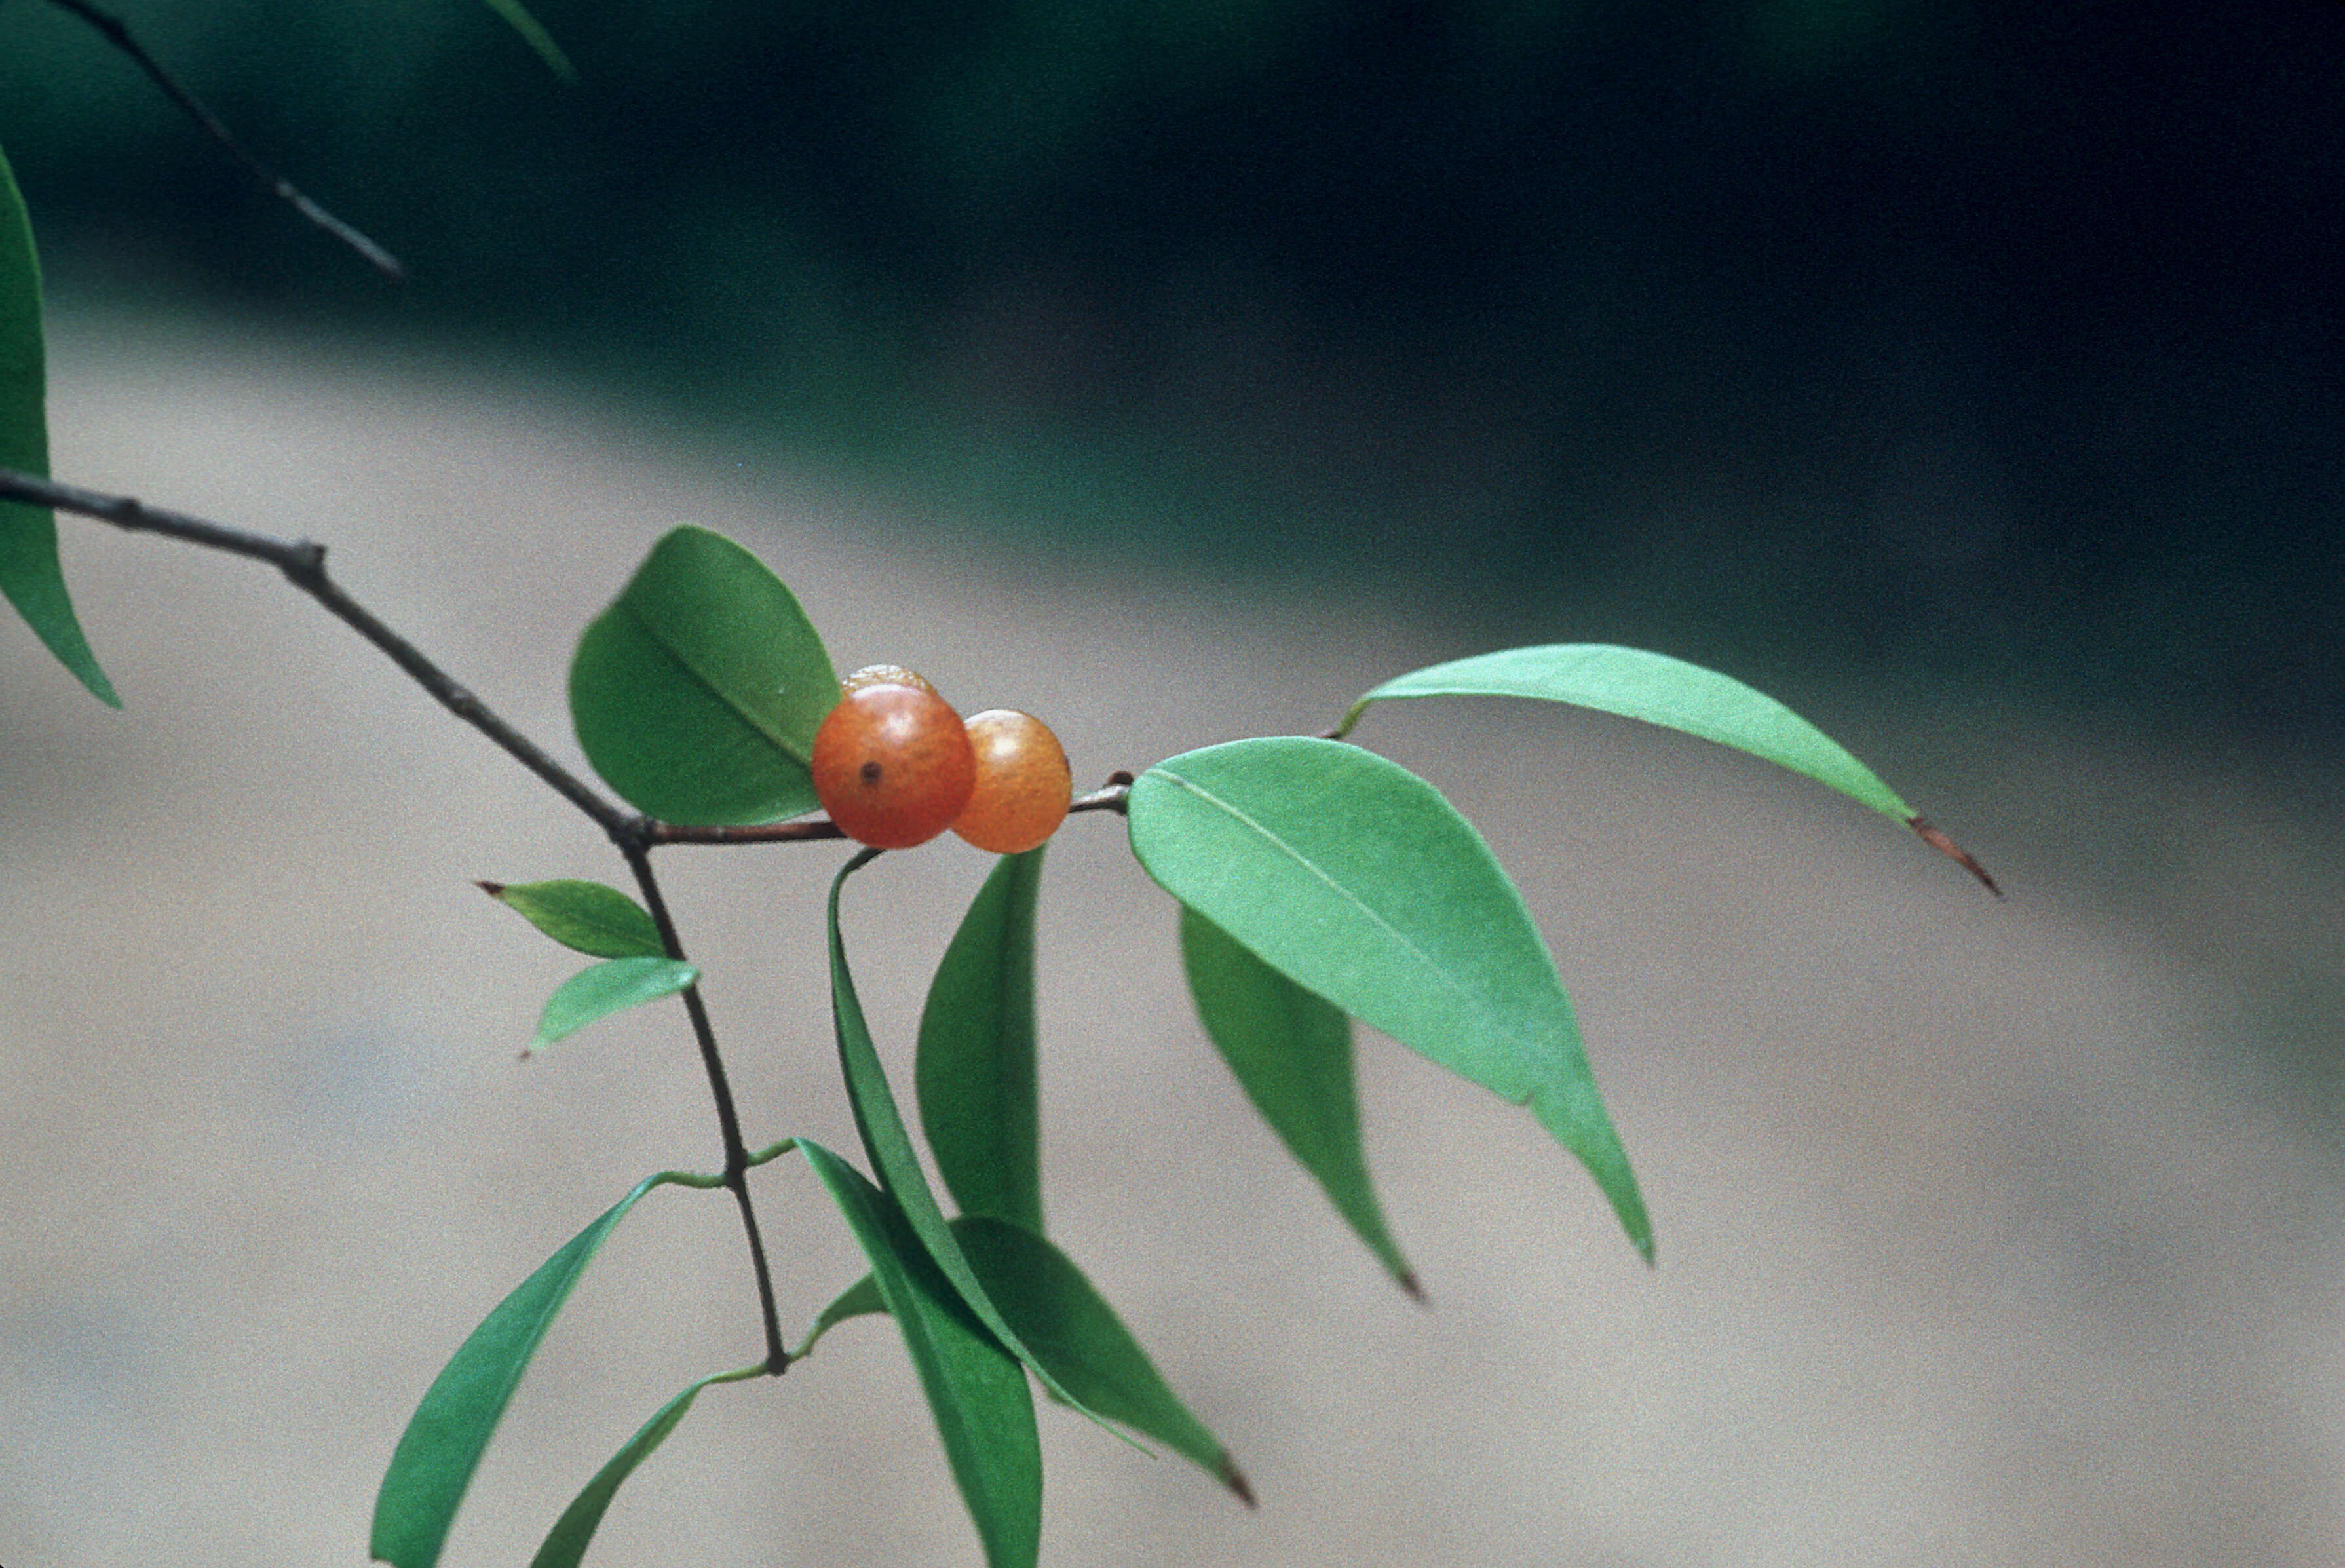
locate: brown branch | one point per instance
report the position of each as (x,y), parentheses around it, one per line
(112,28)
(304,564)
(805,830)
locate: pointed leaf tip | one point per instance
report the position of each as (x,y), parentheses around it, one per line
(1234,1479)
(1936,837)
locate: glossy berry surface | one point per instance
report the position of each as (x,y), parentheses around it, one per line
(885,675)
(893,766)
(1023,783)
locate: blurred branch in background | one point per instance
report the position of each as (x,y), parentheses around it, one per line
(1978,348)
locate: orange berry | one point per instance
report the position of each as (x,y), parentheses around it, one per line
(892,765)
(884,675)
(1023,783)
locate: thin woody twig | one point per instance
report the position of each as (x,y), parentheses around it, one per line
(112,28)
(304,564)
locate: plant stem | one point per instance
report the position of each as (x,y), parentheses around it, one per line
(304,564)
(115,33)
(720,1088)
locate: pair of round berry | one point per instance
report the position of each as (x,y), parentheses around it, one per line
(895,765)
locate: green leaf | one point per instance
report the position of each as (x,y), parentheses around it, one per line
(595,993)
(1355,880)
(1292,1051)
(1078,1337)
(1671,692)
(977,1394)
(30,574)
(565,1544)
(450,1430)
(974,1075)
(697,693)
(859,1299)
(586,917)
(881,1123)
(540,41)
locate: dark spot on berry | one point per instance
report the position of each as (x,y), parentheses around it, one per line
(871,771)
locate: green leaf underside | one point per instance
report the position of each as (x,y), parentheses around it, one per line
(30,574)
(540,41)
(1292,1052)
(974,1074)
(697,695)
(1355,880)
(446,1436)
(859,1299)
(976,1392)
(586,917)
(888,1144)
(1658,689)
(565,1544)
(1069,1326)
(612,987)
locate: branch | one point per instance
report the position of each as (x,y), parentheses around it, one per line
(276,184)
(1110,798)
(304,564)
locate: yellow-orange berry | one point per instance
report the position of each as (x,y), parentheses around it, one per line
(1023,783)
(884,675)
(892,765)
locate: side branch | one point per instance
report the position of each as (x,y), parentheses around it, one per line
(1109,799)
(304,564)
(111,27)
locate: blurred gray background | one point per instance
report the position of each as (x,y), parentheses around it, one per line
(1967,376)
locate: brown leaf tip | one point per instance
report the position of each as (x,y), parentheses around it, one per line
(1234,1479)
(1936,837)
(1410,1284)
(494,890)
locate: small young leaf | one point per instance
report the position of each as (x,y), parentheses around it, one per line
(540,41)
(587,917)
(1670,692)
(974,1075)
(30,575)
(697,693)
(451,1429)
(1292,1051)
(565,1544)
(881,1123)
(1078,1337)
(1355,880)
(613,986)
(977,1394)
(859,1299)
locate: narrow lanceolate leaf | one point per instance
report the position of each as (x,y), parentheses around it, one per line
(1078,1336)
(565,1544)
(697,695)
(880,1122)
(541,42)
(30,574)
(1355,880)
(1671,692)
(613,986)
(586,917)
(1292,1051)
(859,1299)
(450,1430)
(976,1391)
(974,1076)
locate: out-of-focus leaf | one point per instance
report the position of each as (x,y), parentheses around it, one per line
(977,1393)
(1292,1051)
(446,1436)
(586,917)
(613,986)
(1078,1335)
(1671,692)
(974,1075)
(889,1146)
(540,41)
(697,693)
(30,575)
(565,1544)
(1355,880)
